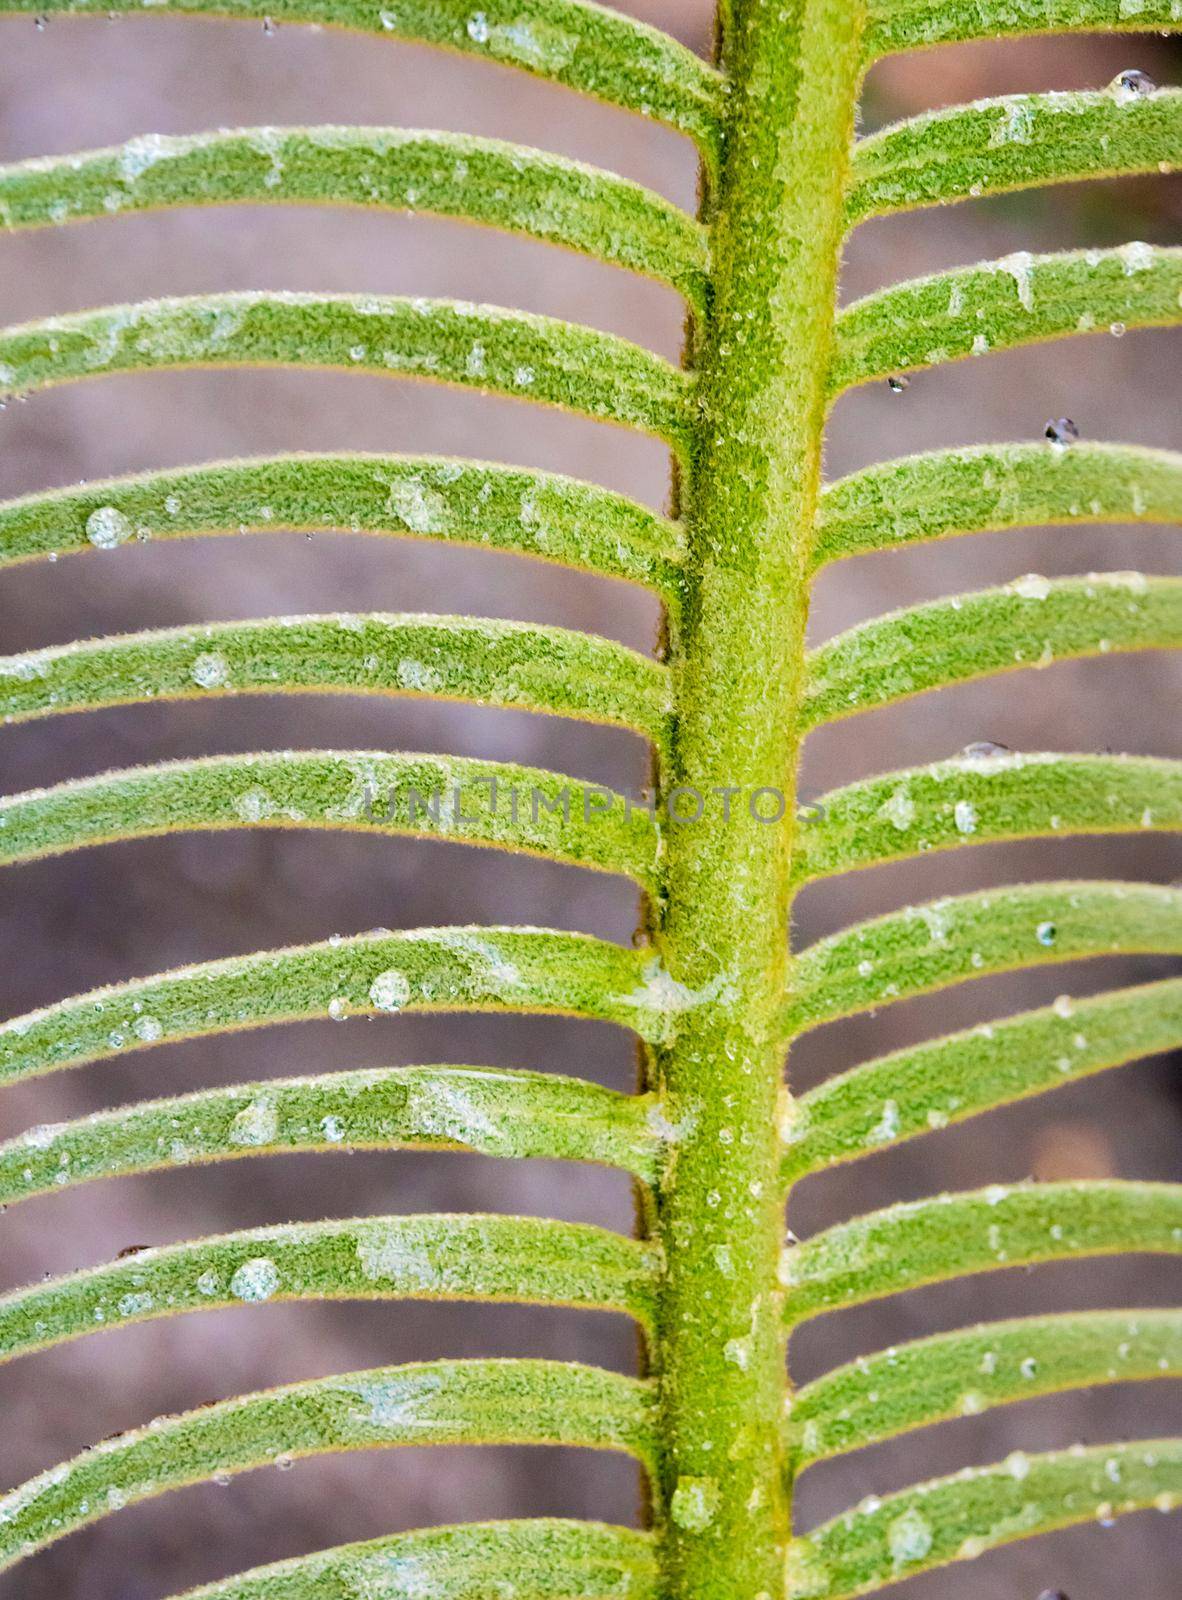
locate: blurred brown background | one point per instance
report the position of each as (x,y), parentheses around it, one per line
(117,912)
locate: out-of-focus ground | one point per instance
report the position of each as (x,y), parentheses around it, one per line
(112,913)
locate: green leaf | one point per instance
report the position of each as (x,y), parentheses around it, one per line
(495,663)
(925,948)
(1015,142)
(439,1402)
(960,1517)
(916,24)
(951,803)
(949,492)
(1021,299)
(953,1235)
(444,797)
(465,1257)
(509,1114)
(544,1559)
(422,970)
(445,174)
(1031,623)
(446,341)
(427,497)
(948,1080)
(972,1370)
(585,46)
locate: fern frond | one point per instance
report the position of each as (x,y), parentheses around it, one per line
(575,42)
(925,948)
(492,663)
(424,497)
(972,1370)
(1014,142)
(501,352)
(1022,299)
(991,487)
(511,1114)
(715,992)
(947,1080)
(895,25)
(500,185)
(959,1518)
(421,1257)
(432,970)
(1031,623)
(438,1402)
(550,1559)
(955,1235)
(950,804)
(446,797)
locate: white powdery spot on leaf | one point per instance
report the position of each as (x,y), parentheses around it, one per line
(254,805)
(662,993)
(887,1127)
(449,1112)
(387,1253)
(415,675)
(1020,267)
(964,814)
(396,1404)
(137,155)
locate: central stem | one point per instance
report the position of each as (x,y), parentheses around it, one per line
(748,500)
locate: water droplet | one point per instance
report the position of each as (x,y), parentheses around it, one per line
(390,990)
(984,750)
(255,1280)
(106,528)
(898,383)
(1062,432)
(909,1537)
(1032,587)
(1046,933)
(210,670)
(694,1503)
(1132,84)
